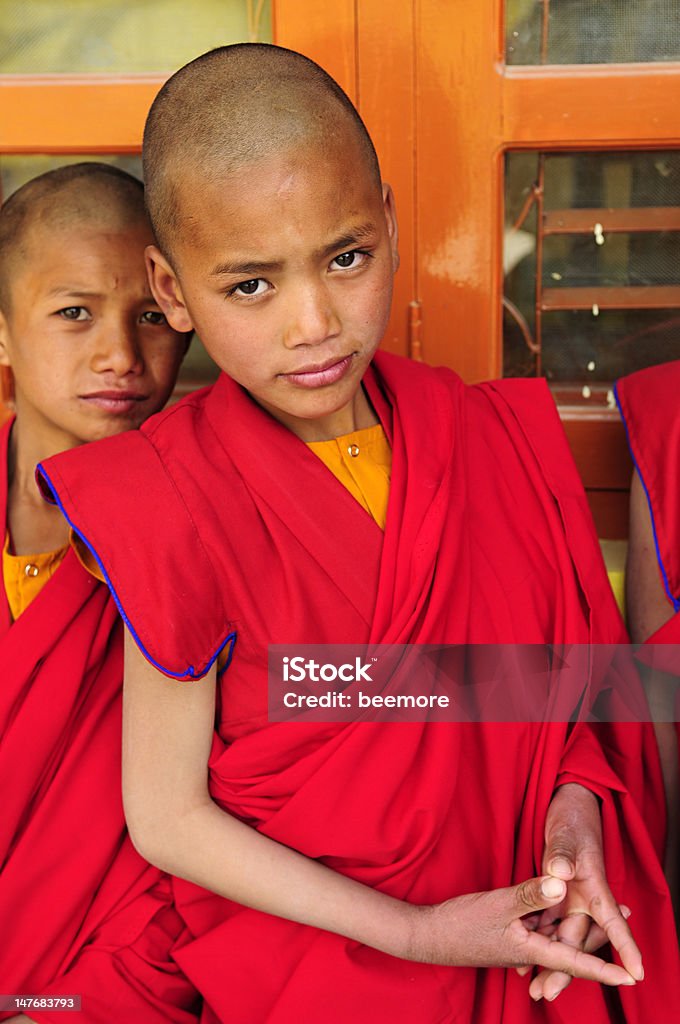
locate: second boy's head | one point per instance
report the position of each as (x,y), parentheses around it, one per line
(90,351)
(278,242)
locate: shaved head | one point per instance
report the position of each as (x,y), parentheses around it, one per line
(94,194)
(234,106)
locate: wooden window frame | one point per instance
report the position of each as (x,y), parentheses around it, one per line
(433,86)
(443,108)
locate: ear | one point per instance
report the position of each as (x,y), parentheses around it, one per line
(390,209)
(166,289)
(4,341)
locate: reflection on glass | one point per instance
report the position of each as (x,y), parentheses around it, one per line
(122,36)
(198,368)
(592,266)
(591,31)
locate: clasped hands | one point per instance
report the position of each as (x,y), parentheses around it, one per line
(554,923)
(588,916)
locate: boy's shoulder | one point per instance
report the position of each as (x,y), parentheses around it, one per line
(648,399)
(175,418)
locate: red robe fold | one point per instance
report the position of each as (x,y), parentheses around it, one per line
(233,528)
(80,911)
(648,402)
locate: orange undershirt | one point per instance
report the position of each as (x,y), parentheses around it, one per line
(361,461)
(26,575)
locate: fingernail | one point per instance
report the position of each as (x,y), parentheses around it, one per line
(552,888)
(629,981)
(559,866)
(641,974)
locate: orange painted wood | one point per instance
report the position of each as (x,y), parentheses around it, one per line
(324,32)
(84,114)
(386,101)
(600,106)
(635,219)
(609,510)
(602,454)
(459,183)
(376,69)
(598,444)
(633,297)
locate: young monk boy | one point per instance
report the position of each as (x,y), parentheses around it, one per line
(91,355)
(648,404)
(322,492)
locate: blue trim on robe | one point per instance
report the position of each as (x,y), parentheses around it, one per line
(664,575)
(190,672)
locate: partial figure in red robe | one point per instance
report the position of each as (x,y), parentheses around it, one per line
(648,403)
(366,871)
(91,355)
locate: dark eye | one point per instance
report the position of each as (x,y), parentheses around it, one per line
(346,259)
(248,287)
(153,316)
(74,313)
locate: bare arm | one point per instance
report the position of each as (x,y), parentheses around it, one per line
(648,608)
(167,734)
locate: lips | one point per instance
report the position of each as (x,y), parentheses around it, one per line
(321,375)
(120,402)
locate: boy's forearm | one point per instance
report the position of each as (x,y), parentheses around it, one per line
(209,847)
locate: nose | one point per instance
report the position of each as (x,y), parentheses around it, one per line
(312,318)
(116,349)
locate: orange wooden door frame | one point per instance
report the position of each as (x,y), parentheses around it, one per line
(369,48)
(429,78)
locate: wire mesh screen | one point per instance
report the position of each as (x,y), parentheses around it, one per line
(592,31)
(592,266)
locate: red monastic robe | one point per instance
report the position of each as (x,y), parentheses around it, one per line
(80,912)
(648,401)
(214,521)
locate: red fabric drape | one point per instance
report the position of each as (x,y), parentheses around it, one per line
(240,529)
(80,911)
(648,404)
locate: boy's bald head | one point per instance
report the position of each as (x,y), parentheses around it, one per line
(233,106)
(93,193)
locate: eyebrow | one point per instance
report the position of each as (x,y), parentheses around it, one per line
(349,240)
(68,291)
(72,291)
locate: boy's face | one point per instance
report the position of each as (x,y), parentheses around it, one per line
(91,353)
(285,271)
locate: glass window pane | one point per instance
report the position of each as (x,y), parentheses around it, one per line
(198,368)
(592,266)
(122,36)
(591,31)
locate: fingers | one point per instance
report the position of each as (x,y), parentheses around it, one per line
(591,895)
(574,931)
(573,823)
(605,911)
(558,956)
(533,895)
(548,984)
